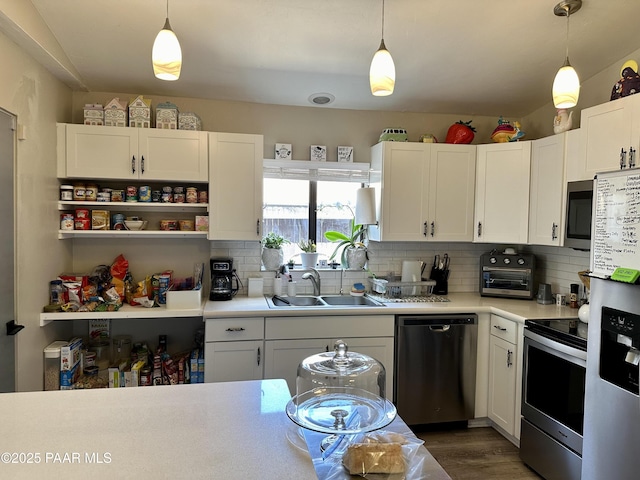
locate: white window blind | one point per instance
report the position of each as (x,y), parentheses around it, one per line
(308,170)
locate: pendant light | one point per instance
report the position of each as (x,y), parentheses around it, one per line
(566,85)
(382,74)
(166,54)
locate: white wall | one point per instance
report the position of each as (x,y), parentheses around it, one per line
(39,101)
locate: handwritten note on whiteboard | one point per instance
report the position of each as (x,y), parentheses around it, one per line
(616,224)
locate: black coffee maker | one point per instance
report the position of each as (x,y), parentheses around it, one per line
(223,278)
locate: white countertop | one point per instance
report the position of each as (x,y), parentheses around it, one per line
(234,430)
(517,310)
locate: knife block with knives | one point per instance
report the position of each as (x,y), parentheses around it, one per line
(440,273)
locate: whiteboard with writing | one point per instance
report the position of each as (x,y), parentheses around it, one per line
(615,229)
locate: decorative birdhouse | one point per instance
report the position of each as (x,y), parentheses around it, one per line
(140,112)
(189,121)
(167,116)
(93,114)
(115,113)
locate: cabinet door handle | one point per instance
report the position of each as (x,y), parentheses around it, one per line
(554,234)
(258,356)
(326,348)
(235,329)
(142,164)
(509,361)
(433,228)
(424,230)
(632,157)
(479,229)
(258,227)
(623,158)
(133,164)
(502,329)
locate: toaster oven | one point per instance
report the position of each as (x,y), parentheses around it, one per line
(507,275)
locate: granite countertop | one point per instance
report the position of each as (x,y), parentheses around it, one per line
(513,309)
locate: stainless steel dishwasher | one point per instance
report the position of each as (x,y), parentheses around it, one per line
(435,367)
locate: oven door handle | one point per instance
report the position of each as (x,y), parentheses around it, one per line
(554,347)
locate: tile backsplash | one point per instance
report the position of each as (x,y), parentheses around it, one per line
(555,265)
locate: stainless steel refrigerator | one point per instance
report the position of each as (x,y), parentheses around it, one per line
(611,444)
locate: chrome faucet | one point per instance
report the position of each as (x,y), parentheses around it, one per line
(314,276)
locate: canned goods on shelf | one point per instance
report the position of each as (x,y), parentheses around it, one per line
(56,292)
(167,197)
(99,220)
(104,197)
(117,195)
(79,192)
(144,193)
(178,197)
(203,196)
(132,194)
(82,224)
(66,193)
(156,195)
(117,221)
(167,189)
(178,190)
(192,195)
(145,377)
(66,221)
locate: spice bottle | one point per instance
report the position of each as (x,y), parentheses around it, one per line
(573,296)
(56,292)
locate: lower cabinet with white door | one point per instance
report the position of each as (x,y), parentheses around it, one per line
(289,340)
(234,349)
(505,376)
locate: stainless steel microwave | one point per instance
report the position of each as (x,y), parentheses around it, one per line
(577,232)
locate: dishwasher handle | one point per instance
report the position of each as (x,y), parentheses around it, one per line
(439,328)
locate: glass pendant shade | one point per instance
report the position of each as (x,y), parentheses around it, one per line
(566,87)
(166,54)
(382,74)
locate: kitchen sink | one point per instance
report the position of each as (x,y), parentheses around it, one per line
(324,301)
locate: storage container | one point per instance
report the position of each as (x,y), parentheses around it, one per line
(52,365)
(184,299)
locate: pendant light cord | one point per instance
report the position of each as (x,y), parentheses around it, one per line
(567,42)
(167,8)
(382,19)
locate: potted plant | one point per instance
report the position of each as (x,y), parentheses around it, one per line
(354,250)
(309,256)
(272,256)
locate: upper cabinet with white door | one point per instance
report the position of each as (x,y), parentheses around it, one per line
(424,191)
(125,153)
(547,195)
(607,130)
(502,193)
(235,186)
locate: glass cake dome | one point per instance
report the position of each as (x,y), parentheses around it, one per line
(341,392)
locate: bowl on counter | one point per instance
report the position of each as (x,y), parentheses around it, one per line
(135,224)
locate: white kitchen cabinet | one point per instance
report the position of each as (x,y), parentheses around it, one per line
(424,191)
(548,191)
(124,153)
(234,349)
(607,129)
(505,375)
(289,340)
(235,186)
(502,193)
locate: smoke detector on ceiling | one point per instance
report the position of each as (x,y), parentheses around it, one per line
(321,98)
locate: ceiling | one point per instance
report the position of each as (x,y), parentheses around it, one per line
(469,57)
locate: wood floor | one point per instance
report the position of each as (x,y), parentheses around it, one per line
(476,454)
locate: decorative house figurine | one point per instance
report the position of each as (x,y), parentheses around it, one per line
(318,153)
(189,121)
(115,113)
(167,116)
(93,114)
(345,154)
(140,112)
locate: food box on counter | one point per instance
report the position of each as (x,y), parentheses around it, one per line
(184,299)
(70,363)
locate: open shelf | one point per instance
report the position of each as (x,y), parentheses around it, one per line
(62,234)
(135,206)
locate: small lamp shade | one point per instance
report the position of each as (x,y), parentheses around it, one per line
(166,54)
(365,206)
(382,74)
(566,87)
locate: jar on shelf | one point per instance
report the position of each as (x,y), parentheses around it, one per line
(117,195)
(66,193)
(91,192)
(79,192)
(52,365)
(192,195)
(56,292)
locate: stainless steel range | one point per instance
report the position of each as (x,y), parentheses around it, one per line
(553,386)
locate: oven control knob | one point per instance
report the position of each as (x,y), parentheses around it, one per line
(521,261)
(507,261)
(492,260)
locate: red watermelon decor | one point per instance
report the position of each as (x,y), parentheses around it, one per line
(460,132)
